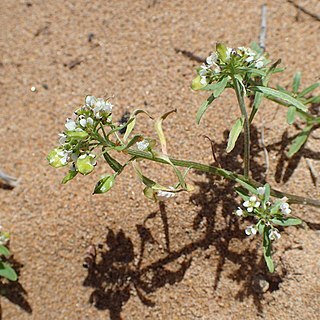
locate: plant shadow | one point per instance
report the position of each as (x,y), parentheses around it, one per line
(14,291)
(118,271)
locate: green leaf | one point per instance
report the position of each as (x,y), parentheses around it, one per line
(159,130)
(7,271)
(313,100)
(217,88)
(203,108)
(113,163)
(267,192)
(309,89)
(285,222)
(296,82)
(70,175)
(104,184)
(242,193)
(247,185)
(234,134)
(267,250)
(130,126)
(280,95)
(291,114)
(4,251)
(299,141)
(261,227)
(132,122)
(222,51)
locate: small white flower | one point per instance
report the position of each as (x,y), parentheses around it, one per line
(164,195)
(228,53)
(284,207)
(239,212)
(64,156)
(250,230)
(91,101)
(261,191)
(142,145)
(83,122)
(212,59)
(259,63)
(90,121)
(203,70)
(203,81)
(216,70)
(274,234)
(251,203)
(70,124)
(108,107)
(62,139)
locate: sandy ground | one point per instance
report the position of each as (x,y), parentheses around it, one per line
(188,259)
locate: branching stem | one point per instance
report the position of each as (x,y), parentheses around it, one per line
(225,174)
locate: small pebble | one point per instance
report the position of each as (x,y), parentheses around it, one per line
(33,89)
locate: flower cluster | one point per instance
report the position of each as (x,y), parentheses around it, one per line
(225,61)
(268,214)
(74,142)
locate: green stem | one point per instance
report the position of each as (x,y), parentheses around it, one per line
(246,127)
(223,173)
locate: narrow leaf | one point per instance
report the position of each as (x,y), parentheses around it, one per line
(242,193)
(159,130)
(296,82)
(203,108)
(267,250)
(299,141)
(286,221)
(234,134)
(309,89)
(291,114)
(132,122)
(280,95)
(247,185)
(266,192)
(113,163)
(217,87)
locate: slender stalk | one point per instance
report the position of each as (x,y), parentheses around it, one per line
(224,173)
(243,109)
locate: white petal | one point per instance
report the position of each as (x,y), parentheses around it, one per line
(90,121)
(261,190)
(70,125)
(83,122)
(246,204)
